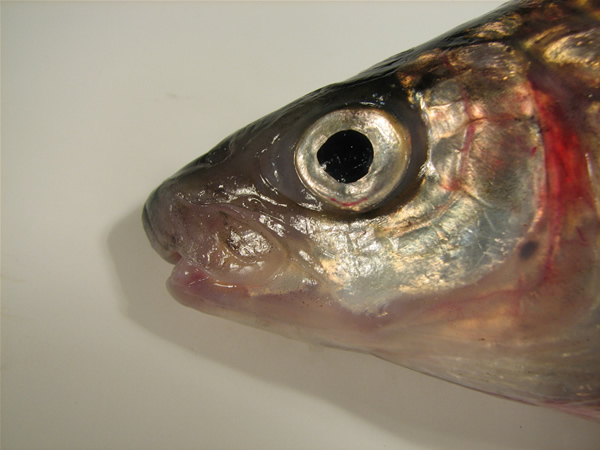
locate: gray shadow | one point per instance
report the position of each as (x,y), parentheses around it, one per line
(425,410)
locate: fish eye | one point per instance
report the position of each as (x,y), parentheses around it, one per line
(353,158)
(346,156)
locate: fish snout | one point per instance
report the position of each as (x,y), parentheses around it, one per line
(155,230)
(228,243)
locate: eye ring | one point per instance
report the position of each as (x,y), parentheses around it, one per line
(391,151)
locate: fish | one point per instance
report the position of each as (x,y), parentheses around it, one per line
(440,210)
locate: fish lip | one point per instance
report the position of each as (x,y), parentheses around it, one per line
(169,255)
(185,274)
(197,288)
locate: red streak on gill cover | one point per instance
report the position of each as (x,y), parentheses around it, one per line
(567,195)
(566,165)
(568,191)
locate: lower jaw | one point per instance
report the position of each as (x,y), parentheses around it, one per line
(195,287)
(308,315)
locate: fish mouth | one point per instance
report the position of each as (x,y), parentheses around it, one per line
(215,244)
(194,287)
(242,265)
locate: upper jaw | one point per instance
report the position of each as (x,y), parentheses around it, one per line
(226,241)
(166,253)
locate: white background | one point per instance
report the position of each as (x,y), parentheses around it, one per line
(100,103)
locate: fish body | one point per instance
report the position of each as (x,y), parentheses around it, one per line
(439,210)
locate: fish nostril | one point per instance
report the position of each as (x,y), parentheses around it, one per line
(214,157)
(247,243)
(241,240)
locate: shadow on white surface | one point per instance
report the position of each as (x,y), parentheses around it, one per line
(412,406)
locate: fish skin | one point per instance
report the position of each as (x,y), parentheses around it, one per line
(480,267)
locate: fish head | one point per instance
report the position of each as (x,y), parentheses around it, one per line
(261,233)
(439,210)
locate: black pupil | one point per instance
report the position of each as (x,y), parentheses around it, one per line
(346,156)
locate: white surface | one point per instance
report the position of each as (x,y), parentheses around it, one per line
(100,103)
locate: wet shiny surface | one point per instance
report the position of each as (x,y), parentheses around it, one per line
(91,341)
(468,249)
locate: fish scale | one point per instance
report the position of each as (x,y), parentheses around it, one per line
(467,247)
